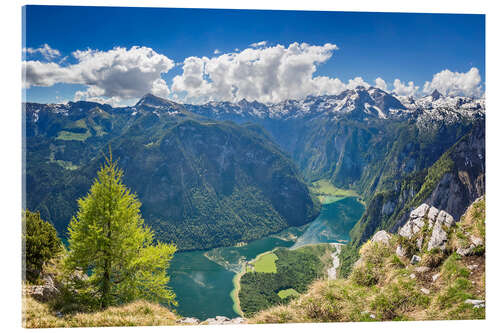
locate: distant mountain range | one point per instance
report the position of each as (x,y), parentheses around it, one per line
(218,173)
(359,103)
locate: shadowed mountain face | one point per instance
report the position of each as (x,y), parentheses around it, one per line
(215,174)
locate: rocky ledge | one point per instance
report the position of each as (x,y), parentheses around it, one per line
(218,320)
(433,223)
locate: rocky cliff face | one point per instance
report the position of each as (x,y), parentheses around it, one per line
(452,183)
(462,185)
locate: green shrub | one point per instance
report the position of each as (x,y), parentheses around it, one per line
(40,244)
(432,259)
(410,246)
(365,275)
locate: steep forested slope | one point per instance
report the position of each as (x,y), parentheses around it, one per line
(202,183)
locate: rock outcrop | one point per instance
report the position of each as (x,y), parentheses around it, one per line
(382,236)
(48,290)
(429,226)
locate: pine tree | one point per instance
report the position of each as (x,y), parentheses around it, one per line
(40,244)
(109,240)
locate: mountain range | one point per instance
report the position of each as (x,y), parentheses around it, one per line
(219,173)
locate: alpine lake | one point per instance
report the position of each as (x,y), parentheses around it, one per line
(203,280)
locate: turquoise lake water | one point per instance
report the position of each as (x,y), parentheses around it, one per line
(202,280)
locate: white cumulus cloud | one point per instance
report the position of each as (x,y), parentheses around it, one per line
(119,73)
(455,83)
(356,82)
(323,85)
(45,50)
(259,44)
(264,73)
(380,83)
(402,89)
(269,74)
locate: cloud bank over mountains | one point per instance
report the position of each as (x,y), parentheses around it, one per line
(261,72)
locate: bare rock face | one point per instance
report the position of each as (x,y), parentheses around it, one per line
(382,236)
(476,240)
(416,221)
(422,269)
(439,236)
(433,213)
(435,220)
(465,251)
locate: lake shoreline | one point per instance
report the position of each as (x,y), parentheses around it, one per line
(208,282)
(236,279)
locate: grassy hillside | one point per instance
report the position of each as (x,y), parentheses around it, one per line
(141,313)
(386,286)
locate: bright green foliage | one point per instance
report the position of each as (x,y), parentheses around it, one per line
(288,293)
(266,263)
(40,244)
(109,240)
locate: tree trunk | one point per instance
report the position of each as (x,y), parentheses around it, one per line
(106,285)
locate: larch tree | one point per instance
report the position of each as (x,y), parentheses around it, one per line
(109,241)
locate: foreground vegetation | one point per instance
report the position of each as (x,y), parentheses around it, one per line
(386,286)
(109,240)
(112,259)
(40,244)
(139,313)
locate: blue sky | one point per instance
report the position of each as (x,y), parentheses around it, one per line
(389,46)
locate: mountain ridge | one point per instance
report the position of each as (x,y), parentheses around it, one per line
(363,139)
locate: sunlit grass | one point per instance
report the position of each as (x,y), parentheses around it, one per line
(139,313)
(327,193)
(67,136)
(288,292)
(266,263)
